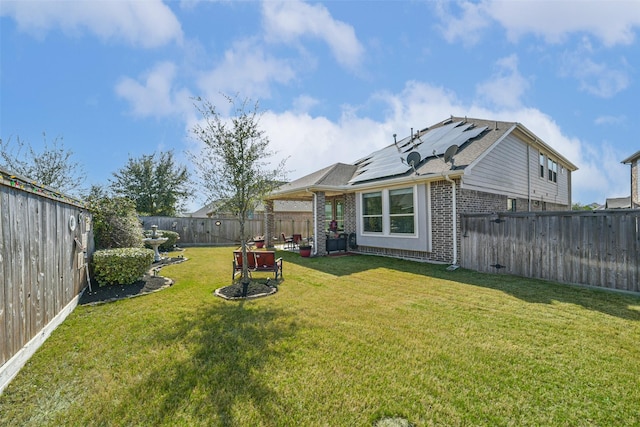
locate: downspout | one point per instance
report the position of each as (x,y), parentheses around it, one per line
(528,178)
(455,222)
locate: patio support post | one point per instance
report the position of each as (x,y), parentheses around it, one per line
(319,237)
(269,223)
(350,213)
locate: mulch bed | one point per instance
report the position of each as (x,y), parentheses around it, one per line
(150,282)
(255,289)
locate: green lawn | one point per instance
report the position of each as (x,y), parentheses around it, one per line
(346,341)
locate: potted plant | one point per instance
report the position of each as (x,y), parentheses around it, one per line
(259,241)
(305,248)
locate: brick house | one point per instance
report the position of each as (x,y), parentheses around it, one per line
(634,161)
(405,199)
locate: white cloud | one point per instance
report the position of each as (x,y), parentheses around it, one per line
(596,78)
(311,143)
(287,21)
(468,27)
(613,22)
(247,69)
(148,23)
(155,96)
(506,86)
(304,103)
(601,79)
(610,120)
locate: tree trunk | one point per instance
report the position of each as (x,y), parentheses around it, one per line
(245,264)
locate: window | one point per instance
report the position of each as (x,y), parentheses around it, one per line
(389,211)
(334,209)
(372,212)
(511,205)
(541,165)
(401,211)
(552,168)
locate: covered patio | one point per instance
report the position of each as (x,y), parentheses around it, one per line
(328,191)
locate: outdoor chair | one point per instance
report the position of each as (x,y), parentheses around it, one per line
(257,261)
(288,241)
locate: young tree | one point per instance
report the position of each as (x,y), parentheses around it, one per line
(156,184)
(52,167)
(233,164)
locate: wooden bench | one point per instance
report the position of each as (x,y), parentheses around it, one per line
(257,261)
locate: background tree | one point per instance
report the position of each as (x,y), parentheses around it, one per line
(156,184)
(115,221)
(53,166)
(580,207)
(233,164)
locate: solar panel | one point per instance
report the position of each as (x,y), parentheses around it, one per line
(389,162)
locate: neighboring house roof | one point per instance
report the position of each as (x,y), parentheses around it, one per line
(200,213)
(631,158)
(474,138)
(618,203)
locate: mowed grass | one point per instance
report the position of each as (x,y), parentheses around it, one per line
(345,342)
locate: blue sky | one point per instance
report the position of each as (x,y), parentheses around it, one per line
(335,80)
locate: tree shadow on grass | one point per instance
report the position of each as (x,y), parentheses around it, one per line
(220,352)
(535,291)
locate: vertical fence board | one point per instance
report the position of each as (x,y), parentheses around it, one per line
(39,256)
(18,272)
(50,263)
(4,273)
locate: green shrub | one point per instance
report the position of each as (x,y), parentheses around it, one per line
(115,222)
(122,266)
(168,245)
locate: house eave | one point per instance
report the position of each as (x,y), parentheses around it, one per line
(537,141)
(631,158)
(307,192)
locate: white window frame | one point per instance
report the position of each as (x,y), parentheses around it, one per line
(362,215)
(386,215)
(552,170)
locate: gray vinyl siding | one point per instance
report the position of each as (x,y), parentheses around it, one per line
(504,170)
(419,241)
(546,191)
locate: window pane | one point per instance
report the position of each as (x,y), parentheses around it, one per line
(328,214)
(328,211)
(401,201)
(402,224)
(373,224)
(401,218)
(340,214)
(372,212)
(372,203)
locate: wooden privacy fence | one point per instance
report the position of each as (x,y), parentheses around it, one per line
(225,230)
(596,248)
(204,231)
(42,266)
